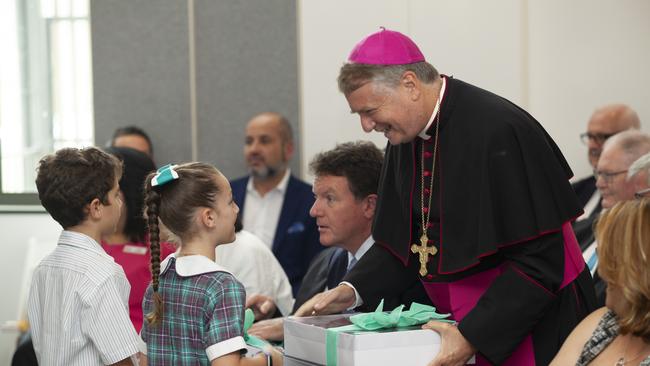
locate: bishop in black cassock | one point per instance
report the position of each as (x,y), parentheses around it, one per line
(488,189)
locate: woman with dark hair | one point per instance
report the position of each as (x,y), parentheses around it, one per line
(128,245)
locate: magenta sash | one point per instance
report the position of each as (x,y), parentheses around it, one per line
(459,297)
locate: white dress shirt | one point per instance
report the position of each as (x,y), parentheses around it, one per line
(255,266)
(78,306)
(261,214)
(590,256)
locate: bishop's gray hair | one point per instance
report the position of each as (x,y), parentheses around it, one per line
(352,76)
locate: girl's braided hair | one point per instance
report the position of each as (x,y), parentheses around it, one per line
(174,204)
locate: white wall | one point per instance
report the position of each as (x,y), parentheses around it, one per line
(19,231)
(557,59)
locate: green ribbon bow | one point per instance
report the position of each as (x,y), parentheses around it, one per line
(164,175)
(398,318)
(252,340)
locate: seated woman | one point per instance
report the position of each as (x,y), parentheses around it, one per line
(618,334)
(127,245)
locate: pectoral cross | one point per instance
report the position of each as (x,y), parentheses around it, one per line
(423,250)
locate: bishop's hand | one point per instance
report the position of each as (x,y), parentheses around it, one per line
(455,350)
(331,301)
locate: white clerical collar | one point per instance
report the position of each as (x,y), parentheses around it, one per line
(423,134)
(362,249)
(281,187)
(191,265)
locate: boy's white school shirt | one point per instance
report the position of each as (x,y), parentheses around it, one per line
(78,306)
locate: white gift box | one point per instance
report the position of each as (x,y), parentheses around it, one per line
(304,339)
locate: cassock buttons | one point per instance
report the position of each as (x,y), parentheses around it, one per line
(426,173)
(425,209)
(429,224)
(427,191)
(429,276)
(428,154)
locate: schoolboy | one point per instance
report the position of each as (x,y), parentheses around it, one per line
(77,305)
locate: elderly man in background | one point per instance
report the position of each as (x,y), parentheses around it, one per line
(605,122)
(617,181)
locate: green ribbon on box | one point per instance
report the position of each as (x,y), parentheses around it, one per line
(252,340)
(398,318)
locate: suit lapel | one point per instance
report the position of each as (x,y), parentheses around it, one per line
(289,206)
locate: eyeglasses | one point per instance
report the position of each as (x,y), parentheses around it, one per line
(598,138)
(641,194)
(607,176)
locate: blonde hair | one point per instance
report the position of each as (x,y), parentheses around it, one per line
(623,235)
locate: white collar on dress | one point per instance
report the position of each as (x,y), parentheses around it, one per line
(423,134)
(192,265)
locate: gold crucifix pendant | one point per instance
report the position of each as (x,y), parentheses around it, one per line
(423,251)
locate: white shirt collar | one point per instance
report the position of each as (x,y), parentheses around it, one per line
(191,265)
(423,134)
(281,187)
(362,249)
(77,239)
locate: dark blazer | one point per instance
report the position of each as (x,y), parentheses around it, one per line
(315,279)
(296,239)
(584,189)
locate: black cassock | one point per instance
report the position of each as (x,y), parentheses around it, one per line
(507,266)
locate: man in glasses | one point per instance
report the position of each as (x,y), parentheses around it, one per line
(619,152)
(604,123)
(616,182)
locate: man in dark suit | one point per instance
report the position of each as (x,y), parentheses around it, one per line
(345,187)
(274,205)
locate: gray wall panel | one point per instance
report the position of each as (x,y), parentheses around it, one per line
(246,58)
(141,72)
